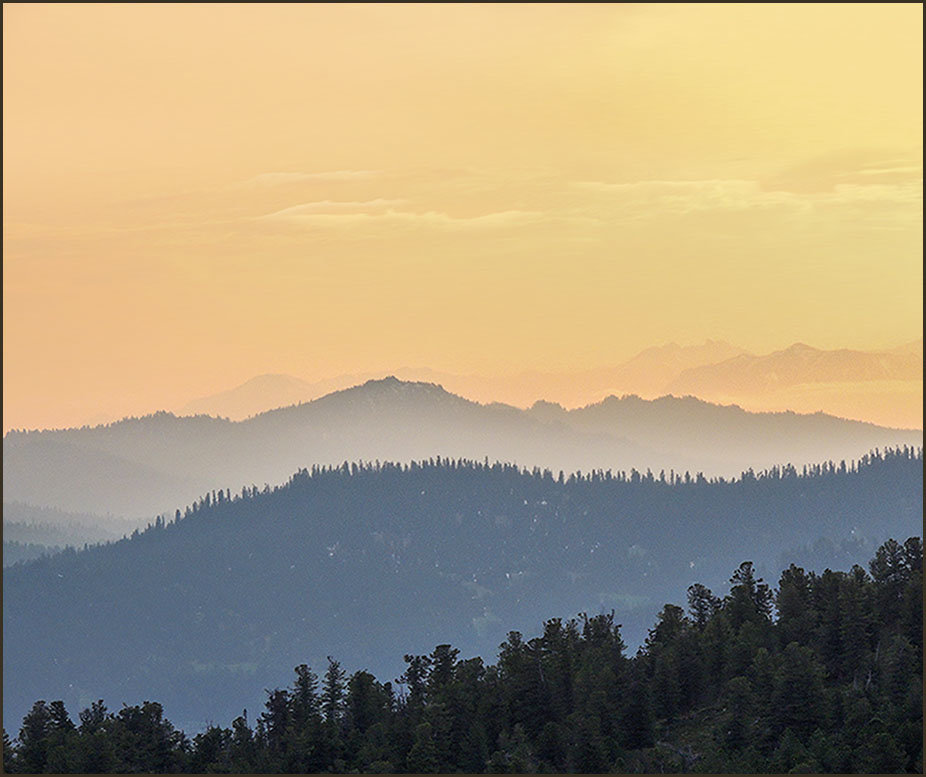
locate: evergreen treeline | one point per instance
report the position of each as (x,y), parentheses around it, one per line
(821,674)
(369,561)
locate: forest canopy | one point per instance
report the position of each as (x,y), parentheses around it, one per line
(822,673)
(368,561)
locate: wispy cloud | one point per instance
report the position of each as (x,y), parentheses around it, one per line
(280,178)
(909,170)
(873,198)
(336,215)
(862,166)
(332,207)
(661,197)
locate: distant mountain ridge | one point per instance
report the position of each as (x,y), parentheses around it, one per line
(650,371)
(747,374)
(884,387)
(646,373)
(140,467)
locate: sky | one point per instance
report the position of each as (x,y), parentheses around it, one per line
(197,194)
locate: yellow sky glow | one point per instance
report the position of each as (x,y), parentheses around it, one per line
(196,194)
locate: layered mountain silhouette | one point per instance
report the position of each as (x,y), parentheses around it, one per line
(747,374)
(645,374)
(366,563)
(141,467)
(650,371)
(268,392)
(884,387)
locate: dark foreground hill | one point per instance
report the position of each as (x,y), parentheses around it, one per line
(366,562)
(138,468)
(821,674)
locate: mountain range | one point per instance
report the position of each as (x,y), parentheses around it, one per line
(883,387)
(748,374)
(141,467)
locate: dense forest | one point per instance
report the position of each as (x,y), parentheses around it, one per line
(821,674)
(369,561)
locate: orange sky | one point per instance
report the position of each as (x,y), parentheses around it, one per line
(196,194)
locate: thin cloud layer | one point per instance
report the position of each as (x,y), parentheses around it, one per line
(278,179)
(331,208)
(353,215)
(653,199)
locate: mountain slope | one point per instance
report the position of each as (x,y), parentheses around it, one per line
(365,563)
(252,397)
(269,392)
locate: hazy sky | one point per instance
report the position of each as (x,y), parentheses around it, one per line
(196,194)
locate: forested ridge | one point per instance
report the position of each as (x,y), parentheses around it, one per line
(369,561)
(821,674)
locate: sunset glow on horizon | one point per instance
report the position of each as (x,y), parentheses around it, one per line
(198,194)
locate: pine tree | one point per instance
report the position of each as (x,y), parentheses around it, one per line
(33,739)
(750,599)
(796,616)
(304,697)
(332,698)
(702,604)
